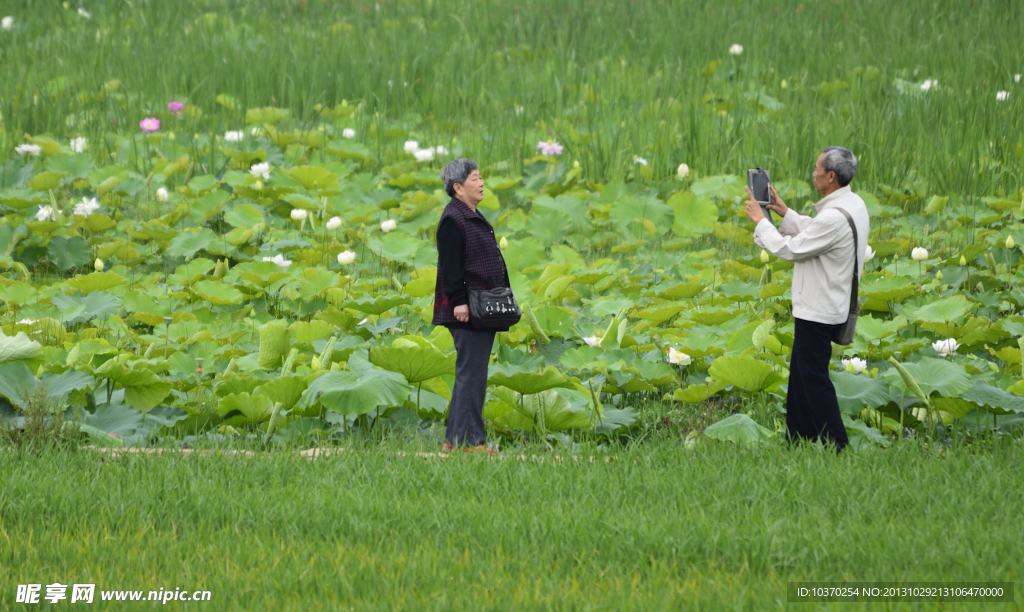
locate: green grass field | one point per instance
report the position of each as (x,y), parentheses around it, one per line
(655,527)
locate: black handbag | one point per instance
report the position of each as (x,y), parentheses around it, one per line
(844,334)
(493,308)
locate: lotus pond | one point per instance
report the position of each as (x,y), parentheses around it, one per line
(233,258)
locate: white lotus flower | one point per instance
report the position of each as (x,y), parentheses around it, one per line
(736,49)
(855,365)
(346,257)
(683,171)
(348,133)
(84,13)
(78,144)
(262,169)
(1002,96)
(7,23)
(298,214)
(161,194)
(919,254)
(946,347)
(333,223)
(255,131)
(26,321)
(869,253)
(235,136)
(424,155)
(639,161)
(677,358)
(439,150)
(388,226)
(592,341)
(86,207)
(1016,78)
(279,260)
(29,149)
(46,212)
(411,146)
(928,84)
(518,110)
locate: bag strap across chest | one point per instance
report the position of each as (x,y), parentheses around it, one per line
(854,288)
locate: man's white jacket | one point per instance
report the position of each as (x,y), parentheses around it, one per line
(821,248)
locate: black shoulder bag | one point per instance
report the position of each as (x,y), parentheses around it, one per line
(844,335)
(493,308)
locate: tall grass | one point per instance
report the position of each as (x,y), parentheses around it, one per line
(609,79)
(659,527)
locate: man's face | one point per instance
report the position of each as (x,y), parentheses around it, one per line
(472,191)
(822,178)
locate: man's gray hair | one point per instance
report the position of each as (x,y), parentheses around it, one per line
(457,171)
(842,162)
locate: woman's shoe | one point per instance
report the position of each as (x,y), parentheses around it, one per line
(447,448)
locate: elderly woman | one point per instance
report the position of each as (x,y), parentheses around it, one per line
(467,258)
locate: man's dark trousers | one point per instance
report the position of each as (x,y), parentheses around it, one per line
(812,410)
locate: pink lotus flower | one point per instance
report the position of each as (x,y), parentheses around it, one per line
(149,124)
(549,148)
(175,107)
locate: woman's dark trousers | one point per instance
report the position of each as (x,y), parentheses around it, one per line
(465,411)
(812,410)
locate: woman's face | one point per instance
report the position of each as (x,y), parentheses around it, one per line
(472,191)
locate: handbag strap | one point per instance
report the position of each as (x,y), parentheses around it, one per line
(855,287)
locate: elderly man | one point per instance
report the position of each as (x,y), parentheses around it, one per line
(822,249)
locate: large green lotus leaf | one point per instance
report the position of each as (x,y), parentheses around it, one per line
(310,331)
(217,292)
(45,181)
(20,199)
(859,430)
(946,310)
(244,216)
(284,390)
(523,254)
(355,393)
(738,429)
(693,214)
(630,209)
(657,316)
(548,226)
(73,166)
(18,292)
(745,373)
(315,282)
(377,305)
(117,421)
(260,274)
(722,186)
(78,309)
(136,301)
(415,363)
(18,347)
(574,208)
(933,375)
(97,281)
(556,287)
(547,410)
(695,394)
(530,382)
(314,177)
(702,345)
(68,253)
(657,373)
(894,289)
(554,320)
(143,389)
(714,318)
(396,246)
(615,419)
(682,291)
(188,243)
(242,408)
(871,329)
(984,398)
(856,392)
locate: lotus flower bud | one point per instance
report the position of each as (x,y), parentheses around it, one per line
(98,265)
(258,185)
(220,269)
(938,275)
(683,171)
(1009,242)
(503,243)
(764,256)
(333,223)
(389,225)
(919,254)
(298,214)
(963,260)
(315,364)
(346,257)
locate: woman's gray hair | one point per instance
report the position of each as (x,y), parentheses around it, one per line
(457,171)
(842,162)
